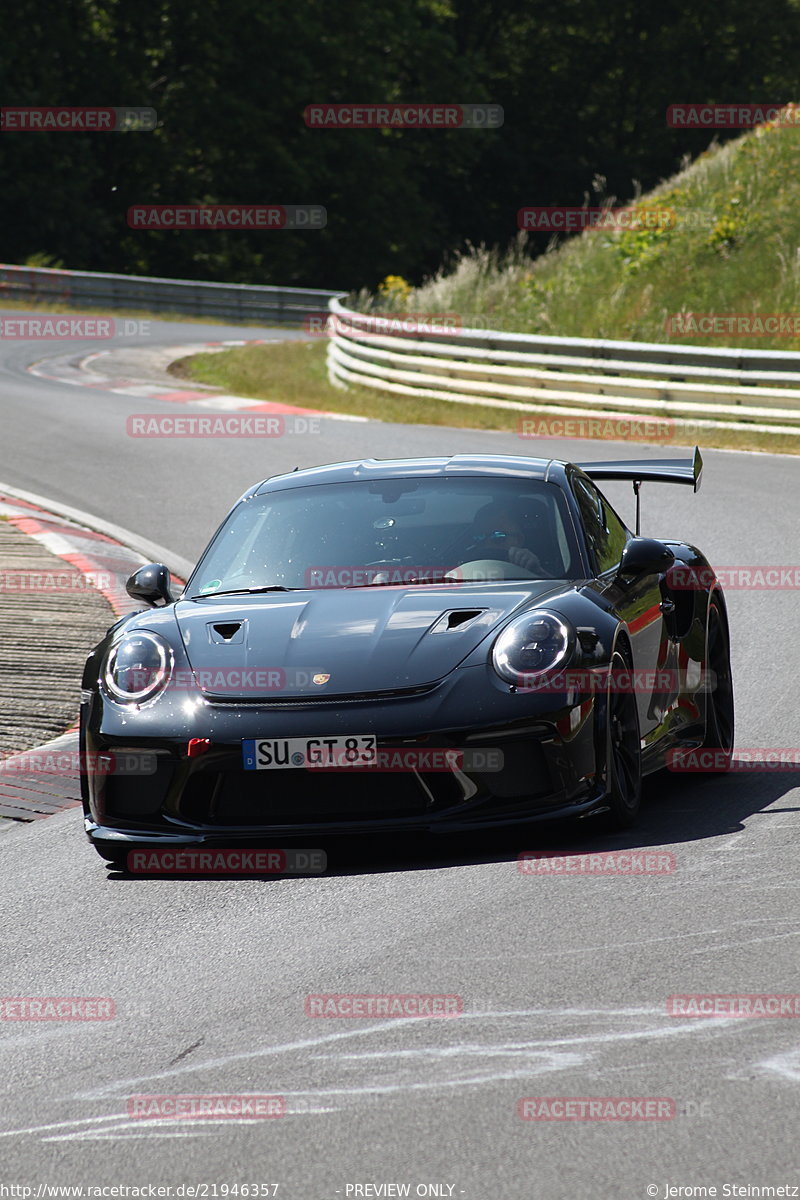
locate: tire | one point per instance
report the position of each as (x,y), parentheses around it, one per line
(622,752)
(720,724)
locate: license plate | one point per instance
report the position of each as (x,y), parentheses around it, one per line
(275,754)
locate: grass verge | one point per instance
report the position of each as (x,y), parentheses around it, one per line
(295,373)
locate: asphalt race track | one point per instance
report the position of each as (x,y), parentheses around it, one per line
(564,980)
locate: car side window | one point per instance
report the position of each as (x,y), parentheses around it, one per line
(605,533)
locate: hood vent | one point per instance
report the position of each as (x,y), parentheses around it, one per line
(457,619)
(226,632)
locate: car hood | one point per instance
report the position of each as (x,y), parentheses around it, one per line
(361,639)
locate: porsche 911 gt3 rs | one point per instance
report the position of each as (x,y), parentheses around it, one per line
(413,645)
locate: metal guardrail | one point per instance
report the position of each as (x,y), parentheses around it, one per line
(756,389)
(233,301)
(705,385)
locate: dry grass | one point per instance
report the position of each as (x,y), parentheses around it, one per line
(734,247)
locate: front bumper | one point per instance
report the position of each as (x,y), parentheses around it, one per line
(548,770)
(212,800)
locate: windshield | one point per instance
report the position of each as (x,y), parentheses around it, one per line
(392,532)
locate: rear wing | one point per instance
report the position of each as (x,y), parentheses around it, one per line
(653,470)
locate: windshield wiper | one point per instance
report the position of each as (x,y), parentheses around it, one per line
(270,587)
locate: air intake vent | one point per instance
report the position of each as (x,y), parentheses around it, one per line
(456,619)
(226,632)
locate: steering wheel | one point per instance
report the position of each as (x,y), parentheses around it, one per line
(490,570)
(388,562)
(461,545)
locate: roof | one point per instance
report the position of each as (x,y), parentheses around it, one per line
(507,465)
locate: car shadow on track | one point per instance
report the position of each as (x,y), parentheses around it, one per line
(674,810)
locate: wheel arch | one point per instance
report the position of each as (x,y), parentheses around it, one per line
(622,642)
(717,596)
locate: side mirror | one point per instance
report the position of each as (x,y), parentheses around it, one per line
(150,584)
(644,556)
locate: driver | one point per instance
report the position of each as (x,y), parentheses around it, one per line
(499,531)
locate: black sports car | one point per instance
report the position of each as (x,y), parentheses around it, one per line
(412,645)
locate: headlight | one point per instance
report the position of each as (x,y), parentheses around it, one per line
(537,642)
(138,667)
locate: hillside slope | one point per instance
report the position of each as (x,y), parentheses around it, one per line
(732,246)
